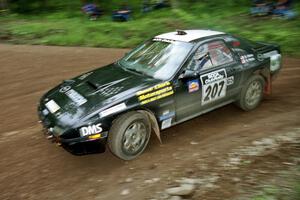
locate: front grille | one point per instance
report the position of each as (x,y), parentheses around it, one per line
(70,134)
(46,122)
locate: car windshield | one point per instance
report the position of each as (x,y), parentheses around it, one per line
(158,59)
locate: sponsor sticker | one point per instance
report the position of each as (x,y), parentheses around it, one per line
(76,97)
(158,86)
(193,85)
(166,123)
(247,58)
(90,130)
(214,85)
(166,115)
(52,106)
(154,93)
(64,89)
(73,95)
(230,80)
(163,40)
(113,109)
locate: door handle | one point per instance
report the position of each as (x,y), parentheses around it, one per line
(232,70)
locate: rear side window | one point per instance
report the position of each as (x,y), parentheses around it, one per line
(209,55)
(219,53)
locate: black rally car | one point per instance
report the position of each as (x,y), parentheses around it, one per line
(168,79)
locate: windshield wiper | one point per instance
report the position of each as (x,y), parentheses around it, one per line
(140,72)
(133,70)
(136,71)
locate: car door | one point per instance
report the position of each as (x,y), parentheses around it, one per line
(215,83)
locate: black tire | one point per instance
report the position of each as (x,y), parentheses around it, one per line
(129,135)
(252,93)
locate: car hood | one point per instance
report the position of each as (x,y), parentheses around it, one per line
(94,91)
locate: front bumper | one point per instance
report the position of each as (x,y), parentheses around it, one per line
(71,139)
(86,147)
(80,145)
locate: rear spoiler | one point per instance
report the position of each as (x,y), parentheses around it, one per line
(265,47)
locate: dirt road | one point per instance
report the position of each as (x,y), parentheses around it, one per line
(33,168)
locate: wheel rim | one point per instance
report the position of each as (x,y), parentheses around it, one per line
(253,93)
(134,138)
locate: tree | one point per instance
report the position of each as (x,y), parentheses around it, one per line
(3,5)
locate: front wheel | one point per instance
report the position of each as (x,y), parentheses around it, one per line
(129,135)
(252,93)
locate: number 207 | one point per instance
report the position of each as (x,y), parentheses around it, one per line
(214,91)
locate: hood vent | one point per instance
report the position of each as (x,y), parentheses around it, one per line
(92,85)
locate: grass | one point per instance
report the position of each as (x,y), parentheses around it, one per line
(296,189)
(74,29)
(274,193)
(287,188)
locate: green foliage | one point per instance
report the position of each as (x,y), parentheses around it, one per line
(272,192)
(71,28)
(296,195)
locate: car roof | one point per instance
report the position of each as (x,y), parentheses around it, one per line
(188,35)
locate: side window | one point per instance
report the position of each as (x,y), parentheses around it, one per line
(219,53)
(210,55)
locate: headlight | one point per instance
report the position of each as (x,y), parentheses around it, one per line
(57,131)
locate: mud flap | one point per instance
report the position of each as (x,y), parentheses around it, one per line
(268,86)
(154,124)
(266,73)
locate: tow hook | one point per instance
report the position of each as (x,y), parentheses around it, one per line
(50,136)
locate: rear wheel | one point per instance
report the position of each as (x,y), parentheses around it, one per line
(252,93)
(129,135)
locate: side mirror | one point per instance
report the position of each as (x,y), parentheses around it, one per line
(188,74)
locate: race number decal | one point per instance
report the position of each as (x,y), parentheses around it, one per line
(214,85)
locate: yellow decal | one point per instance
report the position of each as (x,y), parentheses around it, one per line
(154,93)
(157,97)
(158,86)
(161,85)
(95,136)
